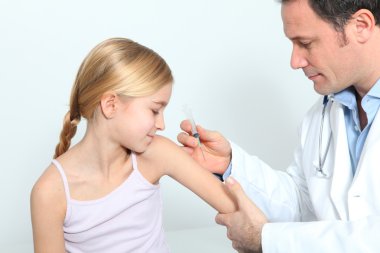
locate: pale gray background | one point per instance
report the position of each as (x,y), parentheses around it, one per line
(230,61)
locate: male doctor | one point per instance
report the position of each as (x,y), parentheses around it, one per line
(328,200)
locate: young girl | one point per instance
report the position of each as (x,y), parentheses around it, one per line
(103,194)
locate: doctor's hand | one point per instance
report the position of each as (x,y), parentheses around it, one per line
(244,226)
(216,148)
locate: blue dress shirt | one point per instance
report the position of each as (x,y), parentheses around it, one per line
(355,135)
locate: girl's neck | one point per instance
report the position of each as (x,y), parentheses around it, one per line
(100,153)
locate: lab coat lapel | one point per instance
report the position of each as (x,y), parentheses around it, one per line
(342,171)
(365,187)
(371,145)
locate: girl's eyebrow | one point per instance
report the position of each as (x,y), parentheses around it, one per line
(162,103)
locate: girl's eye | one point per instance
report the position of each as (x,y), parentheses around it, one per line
(155,112)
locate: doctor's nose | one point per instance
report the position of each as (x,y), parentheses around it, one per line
(298,60)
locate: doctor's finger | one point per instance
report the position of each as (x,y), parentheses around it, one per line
(188,150)
(236,246)
(204,133)
(237,192)
(223,219)
(186,126)
(208,135)
(187,140)
(244,204)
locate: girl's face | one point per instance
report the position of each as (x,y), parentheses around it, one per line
(138,119)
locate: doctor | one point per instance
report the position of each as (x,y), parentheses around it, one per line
(328,200)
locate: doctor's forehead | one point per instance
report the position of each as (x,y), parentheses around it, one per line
(299,20)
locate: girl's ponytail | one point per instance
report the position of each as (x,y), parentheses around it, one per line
(70,123)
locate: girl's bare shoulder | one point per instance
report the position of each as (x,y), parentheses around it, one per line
(49,189)
(155,161)
(161,147)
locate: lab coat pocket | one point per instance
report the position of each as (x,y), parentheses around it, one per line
(319,191)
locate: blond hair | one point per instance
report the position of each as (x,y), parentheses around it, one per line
(119,65)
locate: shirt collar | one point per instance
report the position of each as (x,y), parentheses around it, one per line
(347,96)
(375,90)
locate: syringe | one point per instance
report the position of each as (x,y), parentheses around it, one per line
(194,131)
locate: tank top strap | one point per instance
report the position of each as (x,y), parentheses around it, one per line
(134,161)
(64,178)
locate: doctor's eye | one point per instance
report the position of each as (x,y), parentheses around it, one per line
(305,44)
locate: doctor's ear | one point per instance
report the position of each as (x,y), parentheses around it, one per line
(364,25)
(108,104)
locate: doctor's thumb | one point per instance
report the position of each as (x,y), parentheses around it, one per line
(236,191)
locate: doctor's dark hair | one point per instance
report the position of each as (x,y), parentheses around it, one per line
(339,12)
(116,65)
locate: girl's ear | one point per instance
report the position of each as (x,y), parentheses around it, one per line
(365,23)
(108,104)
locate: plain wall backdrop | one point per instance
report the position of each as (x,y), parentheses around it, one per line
(230,61)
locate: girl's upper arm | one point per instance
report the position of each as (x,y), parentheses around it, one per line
(181,167)
(48,210)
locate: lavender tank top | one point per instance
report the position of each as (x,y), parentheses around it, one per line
(129,219)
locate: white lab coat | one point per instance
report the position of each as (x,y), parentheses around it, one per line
(310,213)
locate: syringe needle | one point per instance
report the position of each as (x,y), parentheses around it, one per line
(203,154)
(196,135)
